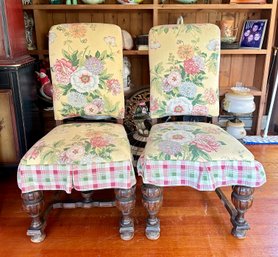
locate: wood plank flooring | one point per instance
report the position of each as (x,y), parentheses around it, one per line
(192,224)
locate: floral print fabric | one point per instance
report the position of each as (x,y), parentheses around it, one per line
(86,68)
(184,65)
(200,142)
(199,155)
(80,144)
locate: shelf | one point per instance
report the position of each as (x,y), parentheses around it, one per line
(126,52)
(254,91)
(136,52)
(88,7)
(145,52)
(243,51)
(214,6)
(148,7)
(248,65)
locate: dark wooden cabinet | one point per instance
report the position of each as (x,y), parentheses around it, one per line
(19,115)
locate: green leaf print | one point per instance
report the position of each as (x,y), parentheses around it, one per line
(71,57)
(74,59)
(68,109)
(65,88)
(97,54)
(66,54)
(103,55)
(166,30)
(49,156)
(58,143)
(197,153)
(88,146)
(158,68)
(198,100)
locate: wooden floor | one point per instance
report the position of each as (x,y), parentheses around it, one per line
(192,224)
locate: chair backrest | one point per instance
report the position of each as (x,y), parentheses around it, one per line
(86,63)
(184,65)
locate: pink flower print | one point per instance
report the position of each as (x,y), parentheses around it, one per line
(114,86)
(63,70)
(57,93)
(99,141)
(95,107)
(179,109)
(91,109)
(34,152)
(94,65)
(201,110)
(206,143)
(76,152)
(153,104)
(191,67)
(166,86)
(210,96)
(174,79)
(63,158)
(179,136)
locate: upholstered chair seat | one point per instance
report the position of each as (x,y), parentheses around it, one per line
(80,156)
(199,155)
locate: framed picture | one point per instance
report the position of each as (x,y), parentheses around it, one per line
(252,35)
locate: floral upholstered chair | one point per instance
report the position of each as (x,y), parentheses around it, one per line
(184,66)
(86,66)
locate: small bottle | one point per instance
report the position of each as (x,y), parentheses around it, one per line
(68,2)
(74,2)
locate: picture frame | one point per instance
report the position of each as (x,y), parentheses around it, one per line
(252,35)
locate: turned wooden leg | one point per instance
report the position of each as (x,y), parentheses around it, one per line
(152,201)
(125,201)
(242,198)
(33,204)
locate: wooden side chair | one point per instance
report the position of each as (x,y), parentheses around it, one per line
(86,62)
(184,66)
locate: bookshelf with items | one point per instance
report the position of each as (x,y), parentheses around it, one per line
(246,65)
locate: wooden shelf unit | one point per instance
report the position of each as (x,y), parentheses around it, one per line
(249,66)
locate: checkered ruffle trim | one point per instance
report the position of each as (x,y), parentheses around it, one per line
(203,176)
(81,178)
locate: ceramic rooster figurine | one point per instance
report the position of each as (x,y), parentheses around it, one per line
(46,89)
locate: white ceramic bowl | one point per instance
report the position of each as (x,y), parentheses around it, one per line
(129,1)
(93,1)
